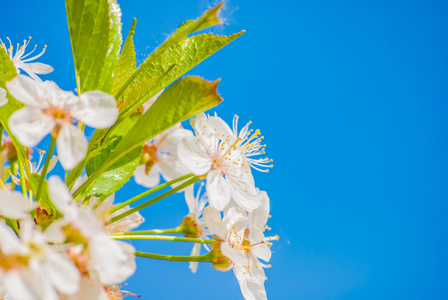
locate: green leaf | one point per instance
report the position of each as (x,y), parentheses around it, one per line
(8,72)
(182,100)
(95,34)
(170,65)
(126,63)
(44,199)
(117,175)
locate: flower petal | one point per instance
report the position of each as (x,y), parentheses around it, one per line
(3,99)
(25,90)
(71,145)
(147,180)
(218,190)
(195,252)
(194,155)
(212,218)
(96,109)
(38,68)
(169,142)
(30,125)
(260,215)
(63,273)
(13,205)
(60,196)
(252,287)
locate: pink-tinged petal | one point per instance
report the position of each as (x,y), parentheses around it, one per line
(212,219)
(63,273)
(194,156)
(30,125)
(71,145)
(3,98)
(26,90)
(38,68)
(195,252)
(114,260)
(96,109)
(169,143)
(259,216)
(218,190)
(147,180)
(13,205)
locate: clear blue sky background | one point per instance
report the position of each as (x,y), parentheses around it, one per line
(352,99)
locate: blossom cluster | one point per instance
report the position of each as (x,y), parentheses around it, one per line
(59,241)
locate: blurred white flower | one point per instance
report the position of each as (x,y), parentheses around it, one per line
(22,61)
(160,157)
(14,206)
(48,109)
(109,260)
(244,243)
(3,98)
(215,153)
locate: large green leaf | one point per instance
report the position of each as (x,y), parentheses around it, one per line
(95,33)
(126,63)
(182,100)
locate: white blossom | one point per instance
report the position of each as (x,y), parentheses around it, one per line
(48,109)
(22,61)
(160,157)
(216,152)
(109,260)
(14,206)
(244,243)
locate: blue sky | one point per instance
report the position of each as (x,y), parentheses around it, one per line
(352,99)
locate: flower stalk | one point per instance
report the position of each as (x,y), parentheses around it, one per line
(162,238)
(201,258)
(45,169)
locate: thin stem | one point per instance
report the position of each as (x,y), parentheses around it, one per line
(148,192)
(98,203)
(154,200)
(22,179)
(45,169)
(2,185)
(163,238)
(153,231)
(202,258)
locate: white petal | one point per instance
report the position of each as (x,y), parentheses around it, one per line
(60,196)
(260,250)
(252,287)
(96,109)
(63,273)
(199,123)
(243,191)
(260,215)
(169,142)
(71,145)
(221,128)
(88,223)
(212,219)
(38,68)
(237,256)
(90,290)
(147,180)
(3,99)
(114,260)
(16,287)
(10,242)
(194,156)
(30,125)
(195,252)
(25,90)
(13,205)
(190,198)
(170,166)
(218,190)
(235,217)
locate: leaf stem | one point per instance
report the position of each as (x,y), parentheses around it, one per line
(152,231)
(45,169)
(22,179)
(154,200)
(202,258)
(148,192)
(163,238)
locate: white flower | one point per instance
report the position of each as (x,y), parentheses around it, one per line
(30,268)
(14,206)
(196,206)
(216,151)
(22,61)
(48,109)
(3,98)
(160,156)
(109,260)
(244,243)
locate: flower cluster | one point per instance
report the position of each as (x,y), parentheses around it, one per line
(63,237)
